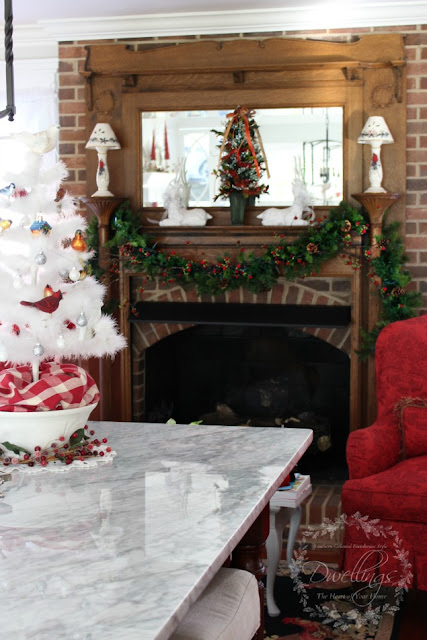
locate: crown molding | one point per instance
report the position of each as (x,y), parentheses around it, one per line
(41,40)
(32,41)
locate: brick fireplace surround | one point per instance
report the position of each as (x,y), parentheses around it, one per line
(334,287)
(313,292)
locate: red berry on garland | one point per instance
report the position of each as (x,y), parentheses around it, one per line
(104,440)
(37,448)
(108,449)
(92,433)
(101,453)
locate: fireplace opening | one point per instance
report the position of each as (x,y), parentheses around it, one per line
(273,377)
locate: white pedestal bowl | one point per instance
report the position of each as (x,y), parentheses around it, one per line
(41,428)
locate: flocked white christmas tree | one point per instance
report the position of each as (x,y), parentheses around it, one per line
(50,306)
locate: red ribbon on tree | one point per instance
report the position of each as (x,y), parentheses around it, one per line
(167,156)
(153,148)
(243,113)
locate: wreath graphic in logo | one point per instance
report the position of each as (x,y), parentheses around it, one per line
(365,585)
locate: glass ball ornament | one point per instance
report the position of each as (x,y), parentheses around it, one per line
(40,258)
(74,274)
(63,272)
(25,221)
(82,320)
(38,350)
(3,353)
(18,281)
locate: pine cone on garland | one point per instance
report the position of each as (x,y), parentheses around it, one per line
(397,292)
(312,247)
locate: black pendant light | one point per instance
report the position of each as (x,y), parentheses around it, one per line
(8,54)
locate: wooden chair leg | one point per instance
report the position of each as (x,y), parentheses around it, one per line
(249,554)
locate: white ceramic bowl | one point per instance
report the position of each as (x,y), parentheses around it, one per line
(29,429)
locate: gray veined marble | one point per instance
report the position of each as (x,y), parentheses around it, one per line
(121,551)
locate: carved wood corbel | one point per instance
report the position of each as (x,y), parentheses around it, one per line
(88,76)
(352,73)
(397,73)
(130,81)
(238,77)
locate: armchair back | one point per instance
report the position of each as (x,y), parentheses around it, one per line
(401,360)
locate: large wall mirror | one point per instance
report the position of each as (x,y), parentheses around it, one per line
(307,142)
(311,100)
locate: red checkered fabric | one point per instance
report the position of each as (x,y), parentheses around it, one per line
(61,386)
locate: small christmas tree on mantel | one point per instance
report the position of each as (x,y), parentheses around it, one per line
(242,162)
(51,305)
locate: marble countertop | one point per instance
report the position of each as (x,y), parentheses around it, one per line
(123,550)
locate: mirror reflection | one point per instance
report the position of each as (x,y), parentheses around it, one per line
(183,143)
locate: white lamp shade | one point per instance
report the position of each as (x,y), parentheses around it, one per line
(103,136)
(375,130)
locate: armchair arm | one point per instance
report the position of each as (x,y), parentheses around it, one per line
(373,449)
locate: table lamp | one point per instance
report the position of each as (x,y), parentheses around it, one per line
(376,133)
(102,139)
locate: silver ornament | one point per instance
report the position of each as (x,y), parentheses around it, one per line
(18,282)
(38,350)
(41,258)
(3,353)
(82,320)
(74,274)
(25,221)
(63,272)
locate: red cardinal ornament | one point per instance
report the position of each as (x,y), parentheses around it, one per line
(60,194)
(47,305)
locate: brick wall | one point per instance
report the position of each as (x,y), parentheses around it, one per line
(72,112)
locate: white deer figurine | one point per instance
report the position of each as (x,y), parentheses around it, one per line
(175,201)
(300,211)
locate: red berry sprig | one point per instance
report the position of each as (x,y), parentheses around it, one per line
(79,447)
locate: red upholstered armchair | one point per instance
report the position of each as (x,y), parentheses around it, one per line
(388,462)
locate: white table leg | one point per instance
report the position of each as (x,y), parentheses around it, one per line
(279,516)
(293,530)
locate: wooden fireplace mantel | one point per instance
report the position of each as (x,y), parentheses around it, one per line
(366,77)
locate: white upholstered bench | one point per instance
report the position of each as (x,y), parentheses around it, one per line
(228,609)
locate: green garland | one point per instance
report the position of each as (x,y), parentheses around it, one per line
(327,238)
